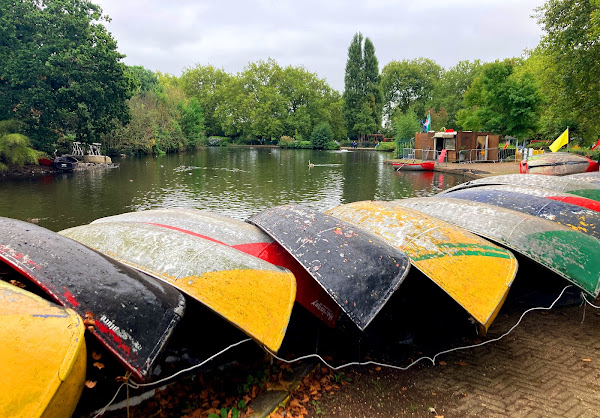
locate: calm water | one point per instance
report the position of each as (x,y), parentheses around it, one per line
(234,181)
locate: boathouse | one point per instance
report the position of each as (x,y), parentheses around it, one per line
(467,146)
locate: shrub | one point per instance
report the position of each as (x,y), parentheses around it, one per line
(321,135)
(15,149)
(386,146)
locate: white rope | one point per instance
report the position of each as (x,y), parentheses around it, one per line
(588,302)
(135,385)
(432,359)
(103,410)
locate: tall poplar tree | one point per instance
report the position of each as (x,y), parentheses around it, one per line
(373,80)
(363,97)
(354,87)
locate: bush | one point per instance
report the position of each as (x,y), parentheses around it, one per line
(15,150)
(386,146)
(321,135)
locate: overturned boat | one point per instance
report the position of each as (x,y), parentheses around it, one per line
(569,253)
(558,164)
(558,184)
(356,268)
(575,217)
(42,356)
(133,315)
(474,272)
(253,295)
(244,237)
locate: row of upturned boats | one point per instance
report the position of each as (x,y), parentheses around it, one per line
(128,279)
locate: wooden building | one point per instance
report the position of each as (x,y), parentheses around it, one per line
(465,146)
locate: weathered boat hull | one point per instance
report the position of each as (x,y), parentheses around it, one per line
(422,166)
(593,177)
(255,296)
(358,270)
(246,238)
(539,192)
(559,184)
(97,159)
(42,356)
(558,164)
(571,254)
(575,217)
(474,272)
(65,163)
(134,314)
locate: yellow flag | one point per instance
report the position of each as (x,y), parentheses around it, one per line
(561,141)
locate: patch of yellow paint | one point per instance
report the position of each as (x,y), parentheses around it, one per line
(42,357)
(474,272)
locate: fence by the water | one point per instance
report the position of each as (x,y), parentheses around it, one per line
(469,155)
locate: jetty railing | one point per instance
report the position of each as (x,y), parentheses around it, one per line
(470,155)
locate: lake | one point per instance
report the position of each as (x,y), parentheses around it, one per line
(233,181)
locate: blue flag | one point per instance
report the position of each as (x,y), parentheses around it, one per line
(427,123)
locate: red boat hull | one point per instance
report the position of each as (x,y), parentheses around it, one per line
(424,166)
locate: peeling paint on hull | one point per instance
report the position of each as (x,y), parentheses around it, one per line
(593,177)
(135,314)
(574,217)
(246,238)
(474,272)
(255,296)
(539,192)
(42,356)
(356,268)
(568,253)
(559,184)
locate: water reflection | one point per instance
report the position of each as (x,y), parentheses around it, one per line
(235,181)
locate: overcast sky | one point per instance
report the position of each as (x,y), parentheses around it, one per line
(169,36)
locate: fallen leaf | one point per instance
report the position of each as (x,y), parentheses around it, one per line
(462,363)
(17,283)
(377,368)
(96,355)
(587,359)
(295,403)
(90,384)
(99,365)
(442,363)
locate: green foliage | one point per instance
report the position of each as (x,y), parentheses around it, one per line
(268,101)
(363,97)
(142,80)
(449,90)
(500,101)
(162,120)
(571,52)
(409,84)
(15,148)
(386,146)
(406,125)
(321,135)
(61,72)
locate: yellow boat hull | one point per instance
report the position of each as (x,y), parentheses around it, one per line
(42,356)
(474,272)
(255,296)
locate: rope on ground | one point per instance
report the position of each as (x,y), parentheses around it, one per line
(432,359)
(135,385)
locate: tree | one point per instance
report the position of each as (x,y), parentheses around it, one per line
(321,135)
(208,85)
(362,85)
(449,90)
(373,81)
(501,102)
(409,84)
(61,72)
(406,125)
(354,89)
(572,46)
